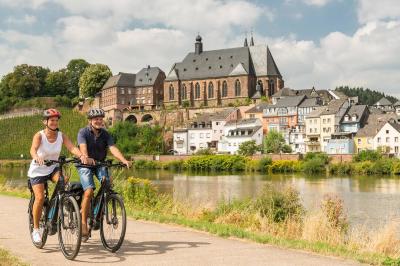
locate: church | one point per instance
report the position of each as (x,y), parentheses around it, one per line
(222,77)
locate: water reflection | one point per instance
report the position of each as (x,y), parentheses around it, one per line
(368,199)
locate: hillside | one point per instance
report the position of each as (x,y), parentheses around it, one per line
(16,133)
(365,96)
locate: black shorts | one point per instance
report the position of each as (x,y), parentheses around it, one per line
(43,179)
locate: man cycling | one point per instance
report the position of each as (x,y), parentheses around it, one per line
(93,142)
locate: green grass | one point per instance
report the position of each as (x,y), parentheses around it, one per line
(6,259)
(16,133)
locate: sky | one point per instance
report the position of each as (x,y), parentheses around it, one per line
(320,43)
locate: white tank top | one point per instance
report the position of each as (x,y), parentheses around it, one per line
(47,151)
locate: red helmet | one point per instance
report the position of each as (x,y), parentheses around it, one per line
(51,113)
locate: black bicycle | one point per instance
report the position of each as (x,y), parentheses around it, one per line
(60,214)
(107,212)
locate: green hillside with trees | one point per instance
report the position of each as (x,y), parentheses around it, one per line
(32,83)
(365,96)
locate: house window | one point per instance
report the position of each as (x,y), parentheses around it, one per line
(379,140)
(122,91)
(179,145)
(396,149)
(387,139)
(329,120)
(359,141)
(323,121)
(201,135)
(208,135)
(396,139)
(192,136)
(123,101)
(197,91)
(171,92)
(183,92)
(252,115)
(237,88)
(210,90)
(224,89)
(129,91)
(217,123)
(387,131)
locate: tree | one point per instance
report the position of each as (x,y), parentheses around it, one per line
(56,83)
(248,148)
(274,142)
(75,69)
(93,79)
(25,81)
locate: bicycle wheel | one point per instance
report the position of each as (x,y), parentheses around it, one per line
(69,227)
(42,223)
(113,223)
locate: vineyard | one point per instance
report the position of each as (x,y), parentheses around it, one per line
(16,133)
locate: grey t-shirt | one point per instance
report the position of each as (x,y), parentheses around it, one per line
(96,146)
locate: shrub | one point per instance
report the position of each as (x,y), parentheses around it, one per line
(279,204)
(248,148)
(333,208)
(287,148)
(367,155)
(140,192)
(382,167)
(314,165)
(146,164)
(284,166)
(216,162)
(175,165)
(341,168)
(264,163)
(364,168)
(206,151)
(317,155)
(396,167)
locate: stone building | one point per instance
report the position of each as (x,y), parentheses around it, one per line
(140,91)
(220,77)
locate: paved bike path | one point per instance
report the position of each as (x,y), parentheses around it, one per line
(148,243)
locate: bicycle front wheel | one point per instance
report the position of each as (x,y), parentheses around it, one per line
(69,227)
(113,223)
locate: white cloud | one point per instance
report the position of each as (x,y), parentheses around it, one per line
(318,3)
(371,10)
(34,4)
(25,20)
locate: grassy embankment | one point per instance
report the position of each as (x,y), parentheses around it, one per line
(275,217)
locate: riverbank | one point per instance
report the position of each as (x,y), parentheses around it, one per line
(275,217)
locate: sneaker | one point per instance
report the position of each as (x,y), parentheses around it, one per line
(36,236)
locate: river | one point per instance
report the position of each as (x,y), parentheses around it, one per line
(369,200)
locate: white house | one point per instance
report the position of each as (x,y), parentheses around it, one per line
(203,132)
(181,145)
(388,138)
(237,132)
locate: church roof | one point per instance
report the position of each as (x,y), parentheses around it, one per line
(253,60)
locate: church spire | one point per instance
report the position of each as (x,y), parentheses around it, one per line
(251,40)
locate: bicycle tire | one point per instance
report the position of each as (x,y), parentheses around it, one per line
(108,246)
(76,226)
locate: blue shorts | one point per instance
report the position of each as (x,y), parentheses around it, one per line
(86,176)
(43,179)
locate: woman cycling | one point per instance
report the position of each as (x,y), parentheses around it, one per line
(46,145)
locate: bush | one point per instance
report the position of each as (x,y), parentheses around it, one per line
(314,165)
(279,204)
(317,155)
(176,165)
(367,155)
(206,151)
(382,167)
(396,167)
(333,208)
(248,148)
(140,192)
(216,162)
(341,168)
(146,164)
(264,163)
(364,168)
(287,148)
(284,166)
